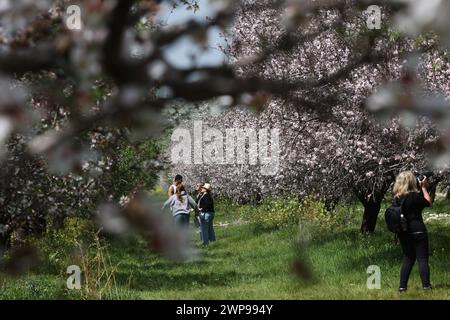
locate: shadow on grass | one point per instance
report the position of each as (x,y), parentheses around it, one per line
(148,280)
(380,248)
(139,269)
(352,253)
(441,286)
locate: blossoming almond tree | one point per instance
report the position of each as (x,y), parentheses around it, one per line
(332,147)
(317,59)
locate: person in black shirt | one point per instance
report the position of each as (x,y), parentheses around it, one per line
(206,207)
(414,241)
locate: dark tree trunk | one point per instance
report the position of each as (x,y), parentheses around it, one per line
(372,205)
(432,188)
(331,204)
(370,217)
(3,243)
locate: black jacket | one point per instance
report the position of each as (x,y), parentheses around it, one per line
(206,203)
(412,208)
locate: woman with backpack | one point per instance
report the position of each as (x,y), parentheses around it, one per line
(179,204)
(414,241)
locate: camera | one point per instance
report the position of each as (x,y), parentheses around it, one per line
(431,187)
(421,176)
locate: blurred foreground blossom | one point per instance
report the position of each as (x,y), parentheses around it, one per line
(5,131)
(417,97)
(396,98)
(12,111)
(143,216)
(422,16)
(14,13)
(301,266)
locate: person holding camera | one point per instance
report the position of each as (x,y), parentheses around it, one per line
(412,193)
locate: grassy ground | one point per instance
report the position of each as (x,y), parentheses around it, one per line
(249,264)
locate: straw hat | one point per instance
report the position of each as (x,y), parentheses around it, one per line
(207,186)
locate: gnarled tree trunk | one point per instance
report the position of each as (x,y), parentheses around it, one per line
(4,239)
(433,186)
(372,204)
(370,216)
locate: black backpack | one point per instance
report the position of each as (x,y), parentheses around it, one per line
(395,219)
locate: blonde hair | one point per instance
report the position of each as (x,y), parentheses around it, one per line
(405,183)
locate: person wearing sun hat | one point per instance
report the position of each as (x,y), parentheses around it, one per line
(206,207)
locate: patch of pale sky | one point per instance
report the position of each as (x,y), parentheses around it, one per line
(185,53)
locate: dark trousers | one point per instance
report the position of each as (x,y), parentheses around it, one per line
(414,246)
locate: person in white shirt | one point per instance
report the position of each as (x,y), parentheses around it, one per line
(178,180)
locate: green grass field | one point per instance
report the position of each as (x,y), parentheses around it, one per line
(249,264)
